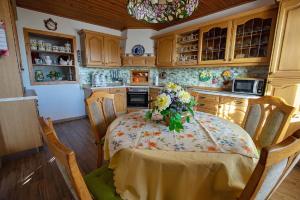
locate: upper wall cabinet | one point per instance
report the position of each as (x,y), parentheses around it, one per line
(99,49)
(286,51)
(215,41)
(112,51)
(165,51)
(253,36)
(243,40)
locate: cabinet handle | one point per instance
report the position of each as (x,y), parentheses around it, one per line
(270,73)
(269,82)
(202,97)
(201,104)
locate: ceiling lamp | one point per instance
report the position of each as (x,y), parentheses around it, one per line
(161,11)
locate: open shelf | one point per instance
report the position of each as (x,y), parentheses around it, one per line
(42,46)
(187,48)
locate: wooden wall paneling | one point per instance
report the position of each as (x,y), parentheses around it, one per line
(10,75)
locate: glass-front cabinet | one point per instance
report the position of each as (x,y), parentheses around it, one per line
(253,36)
(215,42)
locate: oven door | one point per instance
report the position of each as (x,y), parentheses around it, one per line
(243,86)
(137,99)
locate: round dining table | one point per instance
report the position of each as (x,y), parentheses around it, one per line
(211,158)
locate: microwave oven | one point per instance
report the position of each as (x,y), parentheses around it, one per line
(249,86)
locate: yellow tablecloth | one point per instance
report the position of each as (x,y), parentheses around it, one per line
(170,175)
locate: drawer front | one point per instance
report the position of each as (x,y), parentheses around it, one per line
(233,101)
(117,90)
(207,98)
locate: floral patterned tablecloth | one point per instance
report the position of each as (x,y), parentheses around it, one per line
(204,133)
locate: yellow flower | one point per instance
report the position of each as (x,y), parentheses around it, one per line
(162,102)
(184,96)
(173,87)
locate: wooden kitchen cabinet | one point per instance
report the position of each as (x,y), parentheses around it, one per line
(215,40)
(112,51)
(253,38)
(289,90)
(286,49)
(19,126)
(99,49)
(229,108)
(92,46)
(120,99)
(165,51)
(153,93)
(233,109)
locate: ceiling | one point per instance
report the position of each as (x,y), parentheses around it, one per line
(113,13)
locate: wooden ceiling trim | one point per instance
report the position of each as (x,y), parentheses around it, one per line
(113,13)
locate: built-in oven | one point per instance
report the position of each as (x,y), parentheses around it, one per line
(137,97)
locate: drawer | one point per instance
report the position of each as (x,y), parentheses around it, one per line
(234,101)
(207,98)
(117,90)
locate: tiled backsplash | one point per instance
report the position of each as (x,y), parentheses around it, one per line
(182,76)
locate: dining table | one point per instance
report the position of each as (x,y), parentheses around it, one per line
(211,158)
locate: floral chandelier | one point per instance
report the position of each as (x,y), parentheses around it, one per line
(161,11)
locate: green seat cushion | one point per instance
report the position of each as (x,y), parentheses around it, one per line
(101,184)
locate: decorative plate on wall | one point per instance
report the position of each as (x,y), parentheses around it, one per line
(138,50)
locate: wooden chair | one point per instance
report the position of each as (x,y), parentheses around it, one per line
(96,185)
(101,111)
(274,165)
(267,120)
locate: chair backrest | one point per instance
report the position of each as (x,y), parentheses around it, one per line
(66,162)
(101,111)
(274,165)
(267,120)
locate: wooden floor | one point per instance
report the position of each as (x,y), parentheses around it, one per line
(35,176)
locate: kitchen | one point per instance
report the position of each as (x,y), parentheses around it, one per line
(224,58)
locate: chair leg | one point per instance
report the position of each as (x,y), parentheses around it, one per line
(100,155)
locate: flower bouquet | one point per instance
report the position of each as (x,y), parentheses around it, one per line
(175,105)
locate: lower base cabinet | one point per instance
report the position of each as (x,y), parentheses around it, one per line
(19,127)
(120,97)
(229,108)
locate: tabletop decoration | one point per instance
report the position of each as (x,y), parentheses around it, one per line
(175,105)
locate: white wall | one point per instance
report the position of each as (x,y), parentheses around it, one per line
(219,15)
(139,36)
(55,101)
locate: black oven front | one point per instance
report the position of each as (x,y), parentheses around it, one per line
(137,97)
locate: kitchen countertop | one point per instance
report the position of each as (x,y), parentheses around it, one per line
(28,95)
(196,89)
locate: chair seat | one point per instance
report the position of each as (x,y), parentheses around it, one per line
(101,185)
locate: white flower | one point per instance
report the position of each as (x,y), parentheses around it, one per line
(184,96)
(162,102)
(173,87)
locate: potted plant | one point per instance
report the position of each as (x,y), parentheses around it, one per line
(175,105)
(54,75)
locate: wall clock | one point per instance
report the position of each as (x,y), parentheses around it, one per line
(50,24)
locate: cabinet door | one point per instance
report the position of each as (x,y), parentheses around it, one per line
(165,51)
(94,49)
(287,89)
(286,51)
(253,37)
(153,93)
(112,51)
(120,99)
(233,109)
(215,41)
